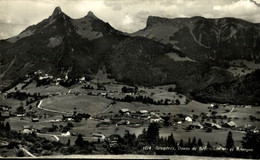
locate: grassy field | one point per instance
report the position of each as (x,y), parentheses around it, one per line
(44,90)
(241,115)
(215,137)
(17,123)
(83,103)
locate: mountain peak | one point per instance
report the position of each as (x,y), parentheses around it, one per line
(57,11)
(91,15)
(155,20)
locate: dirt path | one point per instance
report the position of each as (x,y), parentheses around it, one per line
(50,135)
(26,151)
(232,109)
(107,108)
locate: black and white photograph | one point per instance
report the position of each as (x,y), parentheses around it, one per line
(130,79)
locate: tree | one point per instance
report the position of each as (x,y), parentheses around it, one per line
(209,146)
(166,121)
(124,89)
(75,111)
(171,140)
(170,89)
(200,144)
(143,135)
(27,102)
(70,125)
(194,142)
(20,110)
(153,133)
(20,153)
(7,127)
(68,143)
(2,126)
(229,141)
(79,141)
(181,143)
(189,143)
(177,102)
(252,141)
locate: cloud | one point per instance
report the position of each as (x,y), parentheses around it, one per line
(127,20)
(125,15)
(255,2)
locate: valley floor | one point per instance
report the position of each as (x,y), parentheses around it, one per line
(105,105)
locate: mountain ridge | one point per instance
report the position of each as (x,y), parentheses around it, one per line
(60,45)
(217,39)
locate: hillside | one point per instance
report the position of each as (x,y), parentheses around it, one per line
(203,39)
(244,90)
(60,45)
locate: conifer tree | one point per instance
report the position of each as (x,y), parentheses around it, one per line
(229,141)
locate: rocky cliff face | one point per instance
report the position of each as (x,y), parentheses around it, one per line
(207,39)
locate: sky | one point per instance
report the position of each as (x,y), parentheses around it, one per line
(125,15)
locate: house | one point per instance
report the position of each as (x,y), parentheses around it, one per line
(54,138)
(136,123)
(145,116)
(123,122)
(41,128)
(124,111)
(103,94)
(66,134)
(35,120)
(4,115)
(112,140)
(188,119)
(213,125)
(249,127)
(55,120)
(98,136)
(67,117)
(4,108)
(196,125)
(143,111)
(248,107)
(216,126)
(21,115)
(82,79)
(156,120)
(230,124)
(106,121)
(3,144)
(219,147)
(179,122)
(27,129)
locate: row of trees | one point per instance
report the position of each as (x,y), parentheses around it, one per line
(147,100)
(5,127)
(130,143)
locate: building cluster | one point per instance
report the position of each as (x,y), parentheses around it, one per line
(129,118)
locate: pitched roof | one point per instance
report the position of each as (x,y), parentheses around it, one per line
(124,110)
(231,123)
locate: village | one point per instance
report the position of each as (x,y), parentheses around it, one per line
(62,109)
